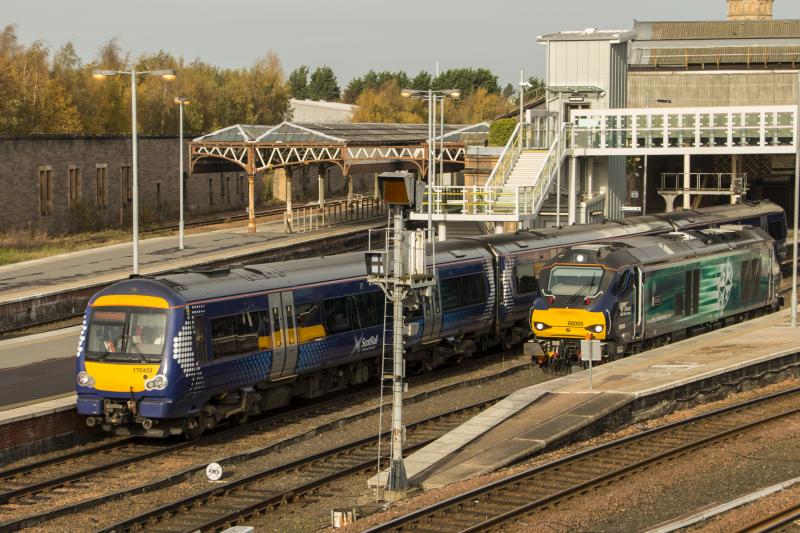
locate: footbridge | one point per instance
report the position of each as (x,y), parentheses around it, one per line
(540,159)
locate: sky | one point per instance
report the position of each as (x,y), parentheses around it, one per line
(350,36)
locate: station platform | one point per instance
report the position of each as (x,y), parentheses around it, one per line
(638,387)
(57,287)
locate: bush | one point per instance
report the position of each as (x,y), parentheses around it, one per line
(500,131)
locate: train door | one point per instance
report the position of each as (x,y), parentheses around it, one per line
(627,297)
(432,310)
(284,335)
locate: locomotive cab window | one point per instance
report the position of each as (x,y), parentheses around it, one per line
(572,280)
(525,277)
(126,334)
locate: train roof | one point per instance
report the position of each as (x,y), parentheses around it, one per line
(182,287)
(720,214)
(668,248)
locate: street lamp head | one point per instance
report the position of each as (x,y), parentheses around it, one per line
(167,74)
(525,84)
(100,74)
(406,93)
(182,100)
(453,93)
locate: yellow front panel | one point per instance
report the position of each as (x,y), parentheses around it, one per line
(131,300)
(120,377)
(567,323)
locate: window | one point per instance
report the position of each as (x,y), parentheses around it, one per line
(277,328)
(236,334)
(370,308)
(126,184)
(525,278)
(210,191)
(74,177)
(574,281)
(462,291)
(777,230)
(45,190)
(126,334)
(622,282)
(222,187)
(309,322)
(339,314)
(226,193)
(101,186)
(158,194)
(200,340)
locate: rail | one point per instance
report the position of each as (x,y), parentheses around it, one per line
(704,182)
(314,217)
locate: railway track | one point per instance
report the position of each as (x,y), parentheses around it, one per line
(775,522)
(68,477)
(505,501)
(224,506)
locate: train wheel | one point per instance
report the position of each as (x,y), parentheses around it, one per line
(196,427)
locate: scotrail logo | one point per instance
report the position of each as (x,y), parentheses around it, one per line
(365,343)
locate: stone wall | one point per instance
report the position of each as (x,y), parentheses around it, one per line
(38,171)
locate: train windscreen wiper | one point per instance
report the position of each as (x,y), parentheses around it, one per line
(588,285)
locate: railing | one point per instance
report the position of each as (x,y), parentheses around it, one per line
(313,217)
(705,182)
(767,129)
(507,160)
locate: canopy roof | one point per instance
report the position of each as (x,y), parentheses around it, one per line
(360,134)
(254,148)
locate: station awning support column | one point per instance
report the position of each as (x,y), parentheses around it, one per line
(251,190)
(572,203)
(687,180)
(321,183)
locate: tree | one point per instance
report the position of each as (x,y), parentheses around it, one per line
(385,104)
(323,85)
(374,80)
(476,107)
(468,80)
(508,92)
(422,81)
(298,83)
(500,131)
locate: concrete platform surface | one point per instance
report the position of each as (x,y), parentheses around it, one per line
(108,264)
(532,418)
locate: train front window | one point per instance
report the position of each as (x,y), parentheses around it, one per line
(574,280)
(125,334)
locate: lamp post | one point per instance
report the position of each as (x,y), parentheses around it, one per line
(181,101)
(165,74)
(432,97)
(522,86)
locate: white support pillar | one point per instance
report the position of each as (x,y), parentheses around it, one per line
(687,180)
(288,175)
(375,187)
(499,227)
(442,231)
(321,185)
(590,177)
(349,189)
(572,204)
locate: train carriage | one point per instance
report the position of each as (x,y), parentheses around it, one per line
(177,354)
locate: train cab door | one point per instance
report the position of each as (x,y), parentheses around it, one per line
(432,313)
(284,335)
(638,302)
(627,296)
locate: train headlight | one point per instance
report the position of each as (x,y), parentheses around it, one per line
(540,326)
(84,379)
(597,328)
(159,382)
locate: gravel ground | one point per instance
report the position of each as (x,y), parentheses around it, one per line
(749,513)
(109,513)
(745,463)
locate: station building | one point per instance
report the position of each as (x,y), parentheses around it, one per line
(749,59)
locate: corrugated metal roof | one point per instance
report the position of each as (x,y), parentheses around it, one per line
(717,29)
(716,55)
(363,133)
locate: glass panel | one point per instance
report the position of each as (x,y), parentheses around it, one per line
(124,334)
(574,281)
(309,322)
(525,277)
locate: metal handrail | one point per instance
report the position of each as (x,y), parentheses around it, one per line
(507,158)
(314,217)
(726,182)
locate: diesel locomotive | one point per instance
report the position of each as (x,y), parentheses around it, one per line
(179,353)
(635,293)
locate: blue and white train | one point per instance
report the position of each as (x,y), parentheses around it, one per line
(178,354)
